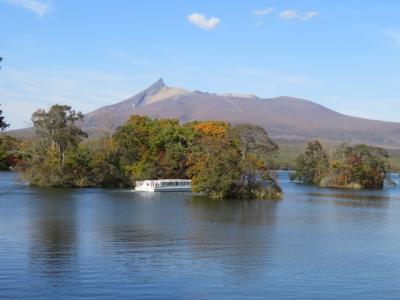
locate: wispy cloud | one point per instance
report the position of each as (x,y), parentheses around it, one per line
(394,36)
(260,14)
(292,14)
(24,91)
(39,8)
(258,24)
(203,22)
(263,11)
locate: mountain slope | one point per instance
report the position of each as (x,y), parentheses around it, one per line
(283,117)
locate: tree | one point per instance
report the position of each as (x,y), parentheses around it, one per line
(254,140)
(58,130)
(352,167)
(143,148)
(214,160)
(359,165)
(312,165)
(10,153)
(257,150)
(153,149)
(228,162)
(107,170)
(3,124)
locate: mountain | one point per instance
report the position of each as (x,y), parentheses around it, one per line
(285,118)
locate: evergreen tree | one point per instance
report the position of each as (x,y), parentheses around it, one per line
(3,124)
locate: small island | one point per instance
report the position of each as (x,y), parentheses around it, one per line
(221,160)
(349,167)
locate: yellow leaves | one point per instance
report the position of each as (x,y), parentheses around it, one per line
(336,163)
(212,128)
(256,162)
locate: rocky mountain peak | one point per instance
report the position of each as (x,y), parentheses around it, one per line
(155,87)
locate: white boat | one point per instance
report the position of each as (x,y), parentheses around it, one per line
(164,185)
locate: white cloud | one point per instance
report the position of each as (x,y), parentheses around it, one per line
(292,14)
(263,11)
(289,14)
(203,22)
(309,15)
(38,7)
(394,36)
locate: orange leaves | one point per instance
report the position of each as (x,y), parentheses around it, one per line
(212,128)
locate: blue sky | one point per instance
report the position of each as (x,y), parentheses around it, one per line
(344,54)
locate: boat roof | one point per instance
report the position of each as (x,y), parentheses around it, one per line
(165,180)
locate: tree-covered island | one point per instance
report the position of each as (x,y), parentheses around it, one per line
(350,167)
(223,161)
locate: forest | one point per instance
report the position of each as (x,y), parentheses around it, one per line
(223,161)
(350,166)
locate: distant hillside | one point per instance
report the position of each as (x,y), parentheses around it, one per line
(285,118)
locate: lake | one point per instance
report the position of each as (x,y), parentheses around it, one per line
(107,243)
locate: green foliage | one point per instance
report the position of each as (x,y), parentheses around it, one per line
(42,168)
(58,131)
(312,165)
(3,124)
(106,165)
(9,152)
(213,160)
(57,139)
(223,162)
(152,149)
(358,166)
(361,165)
(228,162)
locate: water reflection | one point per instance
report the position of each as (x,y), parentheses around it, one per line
(245,212)
(352,199)
(97,243)
(235,235)
(53,231)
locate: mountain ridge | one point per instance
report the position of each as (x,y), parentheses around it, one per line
(284,117)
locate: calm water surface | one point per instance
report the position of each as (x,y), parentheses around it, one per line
(106,244)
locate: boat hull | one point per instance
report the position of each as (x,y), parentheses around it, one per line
(163,189)
(164,185)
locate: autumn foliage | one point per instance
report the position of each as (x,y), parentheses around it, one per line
(222,161)
(358,166)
